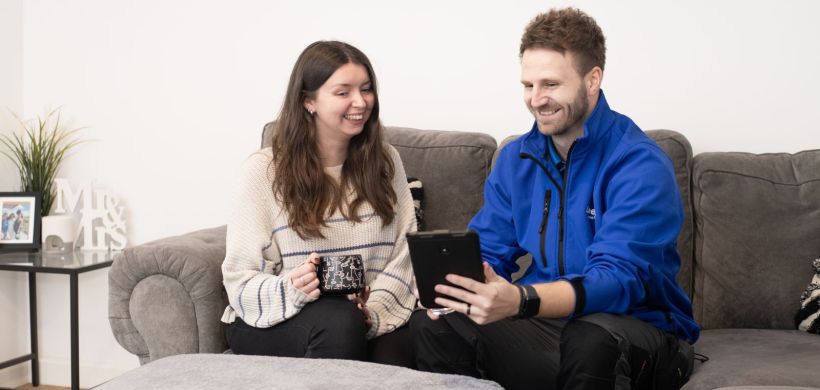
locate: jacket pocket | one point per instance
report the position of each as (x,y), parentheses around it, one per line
(542,229)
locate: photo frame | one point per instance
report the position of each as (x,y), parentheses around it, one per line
(21,221)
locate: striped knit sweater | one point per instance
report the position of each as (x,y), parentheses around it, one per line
(262,250)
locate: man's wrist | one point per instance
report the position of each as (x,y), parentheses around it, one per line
(530,301)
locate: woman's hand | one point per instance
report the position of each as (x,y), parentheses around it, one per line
(304,277)
(361,302)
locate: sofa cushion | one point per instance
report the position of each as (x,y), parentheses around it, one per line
(756,357)
(453,166)
(765,388)
(218,371)
(757,221)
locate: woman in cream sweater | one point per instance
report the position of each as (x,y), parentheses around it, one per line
(328,185)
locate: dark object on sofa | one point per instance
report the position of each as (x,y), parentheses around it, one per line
(751,223)
(808,315)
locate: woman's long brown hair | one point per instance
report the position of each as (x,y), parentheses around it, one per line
(300,184)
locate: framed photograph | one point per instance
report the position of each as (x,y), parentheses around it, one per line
(20,213)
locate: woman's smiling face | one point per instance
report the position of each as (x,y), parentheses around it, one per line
(342,105)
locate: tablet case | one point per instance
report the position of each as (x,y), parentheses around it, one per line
(438,253)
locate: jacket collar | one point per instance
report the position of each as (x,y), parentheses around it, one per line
(598,124)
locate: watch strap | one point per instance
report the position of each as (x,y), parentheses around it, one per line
(523,300)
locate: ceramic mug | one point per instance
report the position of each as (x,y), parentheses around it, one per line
(340,274)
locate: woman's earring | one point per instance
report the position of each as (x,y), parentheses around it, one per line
(310,111)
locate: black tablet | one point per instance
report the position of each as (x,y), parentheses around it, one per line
(438,253)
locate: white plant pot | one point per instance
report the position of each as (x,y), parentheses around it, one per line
(58,233)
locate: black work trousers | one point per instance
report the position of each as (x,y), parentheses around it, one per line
(599,351)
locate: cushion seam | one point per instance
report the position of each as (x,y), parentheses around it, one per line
(718,171)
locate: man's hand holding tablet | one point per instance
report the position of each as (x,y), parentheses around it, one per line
(451,276)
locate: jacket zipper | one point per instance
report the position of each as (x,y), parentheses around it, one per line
(563,201)
(543,228)
(542,231)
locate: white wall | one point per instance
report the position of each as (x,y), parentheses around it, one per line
(175,93)
(13,286)
(11,79)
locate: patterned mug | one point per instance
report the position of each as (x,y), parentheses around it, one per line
(340,274)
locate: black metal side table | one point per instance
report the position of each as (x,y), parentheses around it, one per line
(71,264)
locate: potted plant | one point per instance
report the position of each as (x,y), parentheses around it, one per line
(37,152)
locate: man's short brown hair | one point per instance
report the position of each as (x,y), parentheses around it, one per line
(567,29)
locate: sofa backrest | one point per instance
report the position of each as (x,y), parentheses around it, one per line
(757,230)
(452,166)
(677,147)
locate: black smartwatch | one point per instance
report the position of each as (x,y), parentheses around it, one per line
(530,301)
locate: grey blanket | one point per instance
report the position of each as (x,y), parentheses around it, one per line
(214,371)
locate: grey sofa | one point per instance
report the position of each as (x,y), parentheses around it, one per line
(752,228)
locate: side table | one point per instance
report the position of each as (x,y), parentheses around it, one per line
(71,264)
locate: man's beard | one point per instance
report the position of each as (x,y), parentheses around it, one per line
(574,112)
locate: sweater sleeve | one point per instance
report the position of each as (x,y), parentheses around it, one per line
(391,297)
(258,291)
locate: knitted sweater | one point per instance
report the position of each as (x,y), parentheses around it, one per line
(262,250)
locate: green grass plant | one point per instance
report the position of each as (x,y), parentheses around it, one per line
(37,149)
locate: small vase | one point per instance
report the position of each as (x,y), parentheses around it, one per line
(58,233)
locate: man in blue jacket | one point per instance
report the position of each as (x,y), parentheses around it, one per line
(595,202)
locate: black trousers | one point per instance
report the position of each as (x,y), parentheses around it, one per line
(600,351)
(331,327)
(394,348)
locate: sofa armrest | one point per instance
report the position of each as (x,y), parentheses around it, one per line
(166,296)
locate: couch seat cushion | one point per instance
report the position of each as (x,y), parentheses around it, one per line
(766,388)
(218,371)
(756,357)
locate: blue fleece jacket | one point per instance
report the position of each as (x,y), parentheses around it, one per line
(608,225)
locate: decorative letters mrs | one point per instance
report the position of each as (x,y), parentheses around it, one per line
(102,223)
